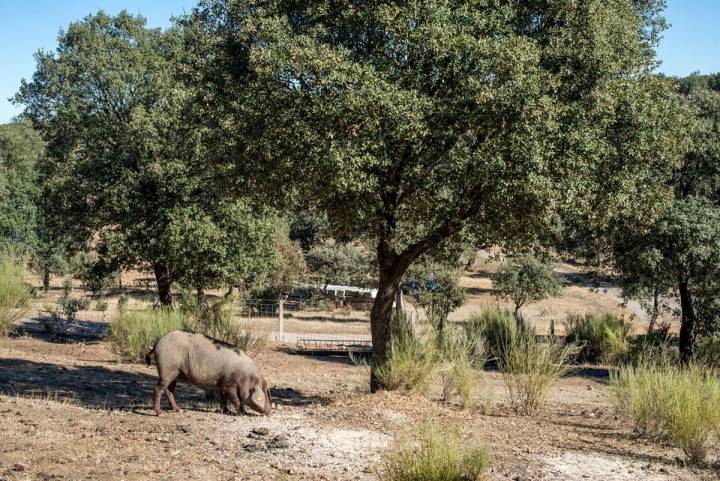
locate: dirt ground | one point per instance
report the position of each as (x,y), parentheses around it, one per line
(70,411)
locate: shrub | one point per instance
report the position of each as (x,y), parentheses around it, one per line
(15,294)
(434,453)
(133,333)
(708,350)
(410,362)
(603,337)
(530,368)
(495,328)
(679,405)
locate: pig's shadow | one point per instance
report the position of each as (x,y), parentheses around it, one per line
(98,387)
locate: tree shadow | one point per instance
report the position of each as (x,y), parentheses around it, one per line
(98,387)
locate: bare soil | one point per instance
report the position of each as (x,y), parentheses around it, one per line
(70,411)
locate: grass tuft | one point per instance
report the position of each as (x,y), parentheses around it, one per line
(434,453)
(15,293)
(531,367)
(495,328)
(672,403)
(134,333)
(604,337)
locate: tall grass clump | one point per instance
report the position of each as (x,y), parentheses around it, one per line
(218,321)
(497,328)
(680,405)
(531,367)
(134,333)
(434,453)
(15,293)
(410,362)
(459,358)
(604,337)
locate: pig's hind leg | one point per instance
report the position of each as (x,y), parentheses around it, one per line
(165,379)
(171,396)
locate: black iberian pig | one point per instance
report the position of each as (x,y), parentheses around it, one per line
(208,363)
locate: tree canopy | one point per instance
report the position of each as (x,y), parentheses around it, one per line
(124,172)
(21,148)
(418,121)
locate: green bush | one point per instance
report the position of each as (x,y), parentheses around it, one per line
(531,367)
(134,333)
(411,360)
(707,350)
(434,453)
(604,337)
(15,293)
(672,403)
(495,328)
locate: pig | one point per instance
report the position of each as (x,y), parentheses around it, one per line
(208,363)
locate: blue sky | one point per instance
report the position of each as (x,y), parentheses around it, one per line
(28,25)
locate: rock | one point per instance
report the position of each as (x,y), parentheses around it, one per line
(21,467)
(184,429)
(279,442)
(252,447)
(260,431)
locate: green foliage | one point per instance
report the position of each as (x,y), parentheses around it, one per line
(15,293)
(411,360)
(340,264)
(21,148)
(290,268)
(217,320)
(678,405)
(418,123)
(530,367)
(228,245)
(497,329)
(526,279)
(95,273)
(603,337)
(708,351)
(125,169)
(434,453)
(134,333)
(308,229)
(435,287)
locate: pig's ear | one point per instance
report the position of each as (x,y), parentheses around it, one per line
(258,396)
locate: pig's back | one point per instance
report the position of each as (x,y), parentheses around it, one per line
(201,360)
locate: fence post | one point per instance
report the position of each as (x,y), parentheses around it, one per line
(281,311)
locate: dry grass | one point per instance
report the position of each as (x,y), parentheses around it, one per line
(668,402)
(531,367)
(134,333)
(434,453)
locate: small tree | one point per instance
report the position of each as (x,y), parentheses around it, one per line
(436,287)
(526,279)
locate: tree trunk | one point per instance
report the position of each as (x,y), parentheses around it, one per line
(162,276)
(687,326)
(46,279)
(655,311)
(390,276)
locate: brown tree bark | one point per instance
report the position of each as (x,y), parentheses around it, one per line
(46,279)
(380,316)
(687,326)
(164,283)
